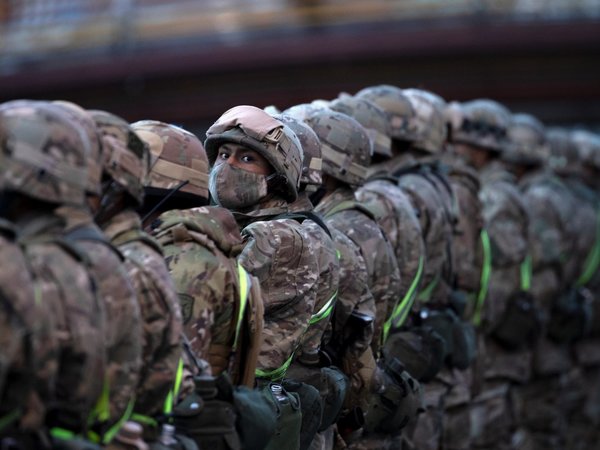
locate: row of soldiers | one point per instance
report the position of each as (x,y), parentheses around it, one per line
(382,270)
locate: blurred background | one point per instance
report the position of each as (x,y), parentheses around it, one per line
(187,61)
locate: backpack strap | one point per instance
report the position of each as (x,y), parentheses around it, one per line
(352,204)
(301,216)
(92,234)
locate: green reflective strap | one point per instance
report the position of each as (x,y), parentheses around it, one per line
(401,310)
(338,254)
(275,374)
(486,271)
(61,433)
(144,420)
(112,431)
(425,294)
(592,261)
(173,393)
(526,274)
(325,311)
(101,412)
(9,418)
(244,291)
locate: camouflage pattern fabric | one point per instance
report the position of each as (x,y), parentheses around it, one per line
(382,268)
(159,307)
(280,255)
(200,247)
(400,224)
(328,280)
(64,285)
(123,318)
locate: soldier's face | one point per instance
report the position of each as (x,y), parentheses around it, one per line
(243,158)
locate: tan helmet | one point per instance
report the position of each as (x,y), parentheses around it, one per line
(345,146)
(397,106)
(588,146)
(176,156)
(429,127)
(527,137)
(44,154)
(563,156)
(126,156)
(482,122)
(312,164)
(370,116)
(96,159)
(253,128)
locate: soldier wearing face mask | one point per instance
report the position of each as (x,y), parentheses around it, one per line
(256,165)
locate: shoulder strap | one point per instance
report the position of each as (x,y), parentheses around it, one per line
(301,216)
(90,233)
(351,204)
(137,235)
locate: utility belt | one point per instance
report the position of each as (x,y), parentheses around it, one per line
(458,335)
(571,316)
(520,324)
(218,415)
(399,402)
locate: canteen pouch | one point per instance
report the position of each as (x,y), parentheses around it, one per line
(333,401)
(399,402)
(571,316)
(289,419)
(465,345)
(520,323)
(311,408)
(256,420)
(421,350)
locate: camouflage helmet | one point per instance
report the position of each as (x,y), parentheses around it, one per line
(95,158)
(429,125)
(345,146)
(370,116)
(397,106)
(563,156)
(253,128)
(272,110)
(527,141)
(126,156)
(480,122)
(312,164)
(177,158)
(44,153)
(302,111)
(588,146)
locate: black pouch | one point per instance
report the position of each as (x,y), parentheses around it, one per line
(442,321)
(520,323)
(206,418)
(571,316)
(465,345)
(337,387)
(311,407)
(421,350)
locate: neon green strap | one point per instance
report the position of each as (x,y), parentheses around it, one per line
(101,412)
(592,261)
(425,294)
(325,311)
(9,418)
(526,274)
(144,420)
(61,433)
(244,292)
(173,393)
(401,310)
(112,431)
(486,271)
(275,374)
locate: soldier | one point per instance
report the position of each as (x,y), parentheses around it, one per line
(126,164)
(220,303)
(503,312)
(418,132)
(124,326)
(45,168)
(550,205)
(256,165)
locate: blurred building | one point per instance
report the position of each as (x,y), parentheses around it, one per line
(186,61)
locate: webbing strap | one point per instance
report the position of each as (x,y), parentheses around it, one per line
(325,311)
(112,431)
(101,411)
(275,374)
(484,282)
(144,420)
(592,261)
(244,292)
(401,310)
(526,274)
(61,433)
(9,418)
(425,294)
(173,393)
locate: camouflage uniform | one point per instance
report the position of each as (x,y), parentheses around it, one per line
(126,163)
(69,376)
